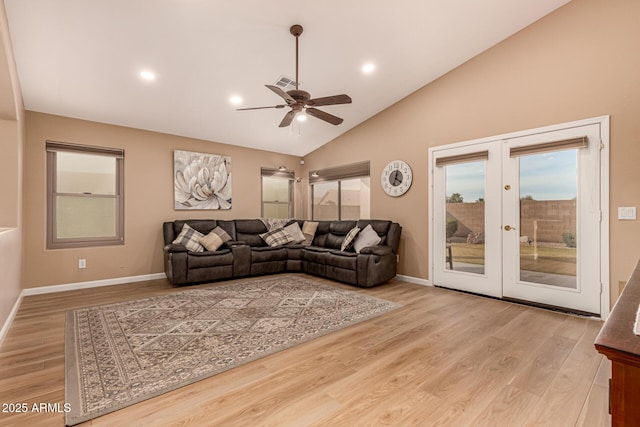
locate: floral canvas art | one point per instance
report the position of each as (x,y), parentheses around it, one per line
(201,180)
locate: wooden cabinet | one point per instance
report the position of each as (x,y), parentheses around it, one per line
(620,345)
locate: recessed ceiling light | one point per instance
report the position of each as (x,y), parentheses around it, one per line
(235,100)
(147,75)
(368,68)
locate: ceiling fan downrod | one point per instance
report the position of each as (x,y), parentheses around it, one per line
(296,30)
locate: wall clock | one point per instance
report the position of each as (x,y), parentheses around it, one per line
(396,178)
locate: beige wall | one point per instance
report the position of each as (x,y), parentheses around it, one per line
(148,197)
(579,62)
(11,145)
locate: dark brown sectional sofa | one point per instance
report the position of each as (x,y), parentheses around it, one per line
(247,254)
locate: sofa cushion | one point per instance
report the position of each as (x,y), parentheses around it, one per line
(349,238)
(331,234)
(249,230)
(203,226)
(315,254)
(366,237)
(215,239)
(346,260)
(268,254)
(210,259)
(190,239)
(277,237)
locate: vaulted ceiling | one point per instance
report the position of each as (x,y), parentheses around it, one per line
(83,59)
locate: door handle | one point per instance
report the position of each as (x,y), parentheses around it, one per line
(509,228)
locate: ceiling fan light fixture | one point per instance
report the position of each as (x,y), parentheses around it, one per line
(301,117)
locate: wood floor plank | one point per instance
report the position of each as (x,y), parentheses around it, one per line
(510,407)
(444,358)
(569,389)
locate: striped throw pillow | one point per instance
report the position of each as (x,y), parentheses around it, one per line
(190,238)
(348,240)
(215,239)
(277,237)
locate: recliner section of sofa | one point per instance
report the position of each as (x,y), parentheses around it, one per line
(247,254)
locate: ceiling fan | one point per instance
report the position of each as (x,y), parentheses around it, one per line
(300,100)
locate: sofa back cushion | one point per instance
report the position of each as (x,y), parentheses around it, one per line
(249,230)
(330,234)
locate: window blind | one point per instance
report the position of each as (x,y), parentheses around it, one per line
(462,158)
(564,144)
(54,146)
(353,170)
(275,173)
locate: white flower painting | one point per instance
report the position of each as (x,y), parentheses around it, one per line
(201,180)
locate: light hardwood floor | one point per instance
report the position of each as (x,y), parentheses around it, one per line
(445,358)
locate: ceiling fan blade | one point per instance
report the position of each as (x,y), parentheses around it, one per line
(288,118)
(259,108)
(322,115)
(284,95)
(329,100)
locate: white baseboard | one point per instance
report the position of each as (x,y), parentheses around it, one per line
(91,284)
(416,280)
(9,321)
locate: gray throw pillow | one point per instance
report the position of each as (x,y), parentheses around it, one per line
(366,237)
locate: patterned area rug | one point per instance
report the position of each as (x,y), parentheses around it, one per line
(120,354)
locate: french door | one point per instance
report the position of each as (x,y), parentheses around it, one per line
(519,217)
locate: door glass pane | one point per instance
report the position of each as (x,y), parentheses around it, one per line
(354,198)
(548,197)
(85,173)
(325,201)
(464,228)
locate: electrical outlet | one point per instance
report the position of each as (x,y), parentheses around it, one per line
(82,263)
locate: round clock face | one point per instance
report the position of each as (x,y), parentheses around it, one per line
(396,178)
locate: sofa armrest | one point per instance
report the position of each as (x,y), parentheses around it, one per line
(173,247)
(231,243)
(380,250)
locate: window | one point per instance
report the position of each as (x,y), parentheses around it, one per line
(277,193)
(85,197)
(341,193)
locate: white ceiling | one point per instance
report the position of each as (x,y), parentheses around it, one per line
(81,58)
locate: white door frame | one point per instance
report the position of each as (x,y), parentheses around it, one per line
(603,121)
